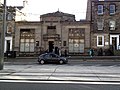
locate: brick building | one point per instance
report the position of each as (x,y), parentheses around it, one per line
(105,23)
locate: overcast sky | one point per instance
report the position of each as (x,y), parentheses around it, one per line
(35,8)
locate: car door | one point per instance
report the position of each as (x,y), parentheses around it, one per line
(47,58)
(54,58)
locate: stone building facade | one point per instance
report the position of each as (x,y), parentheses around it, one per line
(10,27)
(54,30)
(105,23)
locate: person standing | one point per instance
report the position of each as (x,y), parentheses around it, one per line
(91,52)
(65,52)
(60,52)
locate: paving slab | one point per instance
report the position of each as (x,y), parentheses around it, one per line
(61,72)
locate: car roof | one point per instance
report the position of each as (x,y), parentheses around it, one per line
(48,54)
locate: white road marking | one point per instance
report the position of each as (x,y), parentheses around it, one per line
(62,82)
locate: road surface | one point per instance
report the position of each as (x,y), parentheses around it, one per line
(57,85)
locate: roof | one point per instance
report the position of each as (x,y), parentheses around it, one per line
(57,14)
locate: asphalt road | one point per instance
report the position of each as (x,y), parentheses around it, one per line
(57,85)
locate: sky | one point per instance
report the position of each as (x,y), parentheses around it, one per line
(35,8)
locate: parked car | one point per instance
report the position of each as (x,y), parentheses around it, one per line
(51,58)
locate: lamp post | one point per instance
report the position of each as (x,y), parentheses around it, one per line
(3,36)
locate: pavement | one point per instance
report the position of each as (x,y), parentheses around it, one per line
(20,68)
(28,60)
(95,57)
(50,72)
(79,57)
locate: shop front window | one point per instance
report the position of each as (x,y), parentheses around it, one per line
(76,43)
(27,41)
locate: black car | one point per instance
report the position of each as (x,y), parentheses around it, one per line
(51,58)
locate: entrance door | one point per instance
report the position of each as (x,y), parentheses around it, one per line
(8,45)
(51,46)
(114,41)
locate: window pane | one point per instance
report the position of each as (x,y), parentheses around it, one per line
(112,25)
(76,47)
(100,24)
(76,41)
(70,31)
(27,40)
(99,40)
(81,40)
(100,9)
(22,47)
(81,47)
(76,32)
(31,47)
(112,9)
(27,47)
(31,40)
(9,16)
(22,40)
(70,40)
(70,47)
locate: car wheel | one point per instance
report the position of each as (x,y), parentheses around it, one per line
(61,61)
(42,61)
